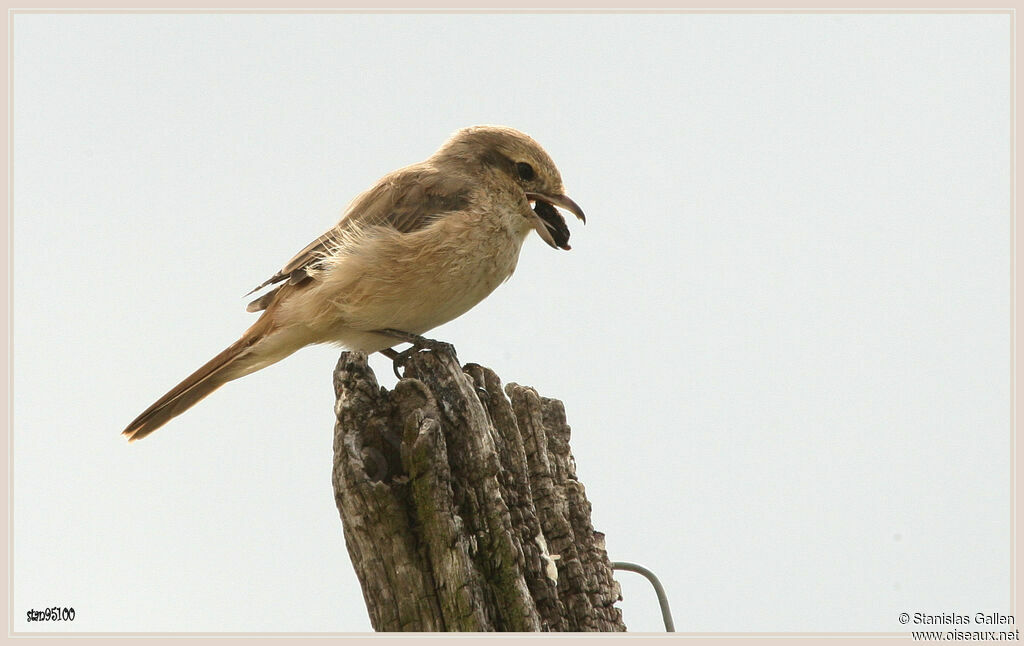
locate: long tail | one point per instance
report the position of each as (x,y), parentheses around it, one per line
(247,355)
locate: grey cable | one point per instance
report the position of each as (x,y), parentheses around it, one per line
(666,612)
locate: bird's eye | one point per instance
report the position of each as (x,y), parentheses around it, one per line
(525,171)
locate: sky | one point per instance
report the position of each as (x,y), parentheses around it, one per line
(782,338)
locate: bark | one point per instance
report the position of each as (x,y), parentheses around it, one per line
(460,505)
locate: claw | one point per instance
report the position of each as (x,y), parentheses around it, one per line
(398,361)
(418,342)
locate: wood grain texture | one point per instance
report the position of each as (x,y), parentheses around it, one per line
(460,504)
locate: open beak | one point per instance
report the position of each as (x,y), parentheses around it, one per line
(548,222)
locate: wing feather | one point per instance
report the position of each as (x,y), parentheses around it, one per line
(406,200)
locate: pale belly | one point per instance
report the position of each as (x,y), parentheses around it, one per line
(407,291)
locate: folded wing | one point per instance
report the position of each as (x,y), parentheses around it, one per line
(406,200)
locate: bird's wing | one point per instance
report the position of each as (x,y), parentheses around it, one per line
(406,200)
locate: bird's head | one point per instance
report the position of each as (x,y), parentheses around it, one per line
(519,161)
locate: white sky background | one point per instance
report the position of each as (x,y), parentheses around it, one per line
(782,338)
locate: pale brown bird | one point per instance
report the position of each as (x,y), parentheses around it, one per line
(420,248)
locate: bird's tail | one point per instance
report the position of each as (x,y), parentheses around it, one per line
(247,355)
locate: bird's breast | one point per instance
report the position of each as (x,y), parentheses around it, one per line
(412,281)
(478,255)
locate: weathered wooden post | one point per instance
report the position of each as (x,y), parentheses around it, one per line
(460,505)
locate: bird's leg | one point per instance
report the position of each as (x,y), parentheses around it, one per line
(418,343)
(393,354)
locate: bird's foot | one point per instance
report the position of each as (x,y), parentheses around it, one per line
(418,342)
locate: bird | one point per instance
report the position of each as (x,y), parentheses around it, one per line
(421,247)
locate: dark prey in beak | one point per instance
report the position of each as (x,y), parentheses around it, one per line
(554,222)
(552,225)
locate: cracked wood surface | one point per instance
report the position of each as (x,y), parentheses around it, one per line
(460,504)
